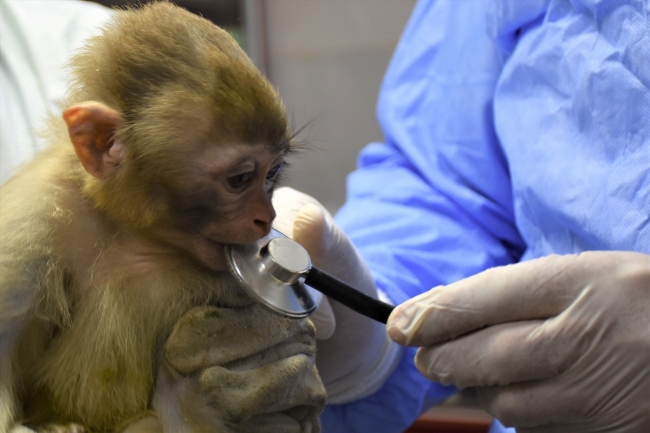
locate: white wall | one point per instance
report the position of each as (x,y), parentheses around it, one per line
(328,57)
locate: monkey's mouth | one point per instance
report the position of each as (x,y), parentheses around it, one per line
(212,251)
(209,253)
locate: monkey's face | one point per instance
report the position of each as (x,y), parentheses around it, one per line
(223,197)
(192,194)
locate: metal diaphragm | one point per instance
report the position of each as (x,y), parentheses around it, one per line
(272,272)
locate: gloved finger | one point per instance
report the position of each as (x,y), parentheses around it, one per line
(500,355)
(532,404)
(308,227)
(305,225)
(562,404)
(287,203)
(330,249)
(324,320)
(531,290)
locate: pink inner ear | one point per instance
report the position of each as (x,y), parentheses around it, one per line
(113,158)
(91,126)
(116,152)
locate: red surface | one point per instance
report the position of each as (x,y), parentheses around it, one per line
(451,421)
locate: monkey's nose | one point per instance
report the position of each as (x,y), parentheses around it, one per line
(262,223)
(263,215)
(264,226)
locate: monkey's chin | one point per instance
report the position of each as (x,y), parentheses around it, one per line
(211,254)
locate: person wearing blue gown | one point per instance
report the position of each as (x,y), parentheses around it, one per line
(515,133)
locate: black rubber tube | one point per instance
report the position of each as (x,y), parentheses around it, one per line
(348,295)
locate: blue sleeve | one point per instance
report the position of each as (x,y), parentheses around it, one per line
(432,204)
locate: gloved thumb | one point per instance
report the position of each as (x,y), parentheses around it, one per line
(329,247)
(308,230)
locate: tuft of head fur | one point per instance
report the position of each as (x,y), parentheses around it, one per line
(178,81)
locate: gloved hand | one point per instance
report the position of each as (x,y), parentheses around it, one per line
(558,344)
(354,355)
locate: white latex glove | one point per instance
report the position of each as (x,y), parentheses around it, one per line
(558,344)
(354,355)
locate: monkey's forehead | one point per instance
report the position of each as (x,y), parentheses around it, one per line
(228,156)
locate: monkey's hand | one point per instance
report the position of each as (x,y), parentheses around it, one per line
(240,370)
(358,356)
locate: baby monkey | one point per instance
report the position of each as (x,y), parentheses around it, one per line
(116,309)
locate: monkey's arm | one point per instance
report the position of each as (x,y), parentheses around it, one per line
(21,288)
(31,282)
(16,303)
(19,291)
(7,400)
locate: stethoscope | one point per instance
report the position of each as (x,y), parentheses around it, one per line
(277,273)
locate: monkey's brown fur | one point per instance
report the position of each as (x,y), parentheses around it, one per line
(159,66)
(90,287)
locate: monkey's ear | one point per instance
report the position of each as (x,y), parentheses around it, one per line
(91,126)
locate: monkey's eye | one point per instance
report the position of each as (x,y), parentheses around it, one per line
(241,180)
(273,172)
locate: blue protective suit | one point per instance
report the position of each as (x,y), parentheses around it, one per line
(513,130)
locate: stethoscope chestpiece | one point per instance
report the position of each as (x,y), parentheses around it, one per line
(277,272)
(285,260)
(272,271)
